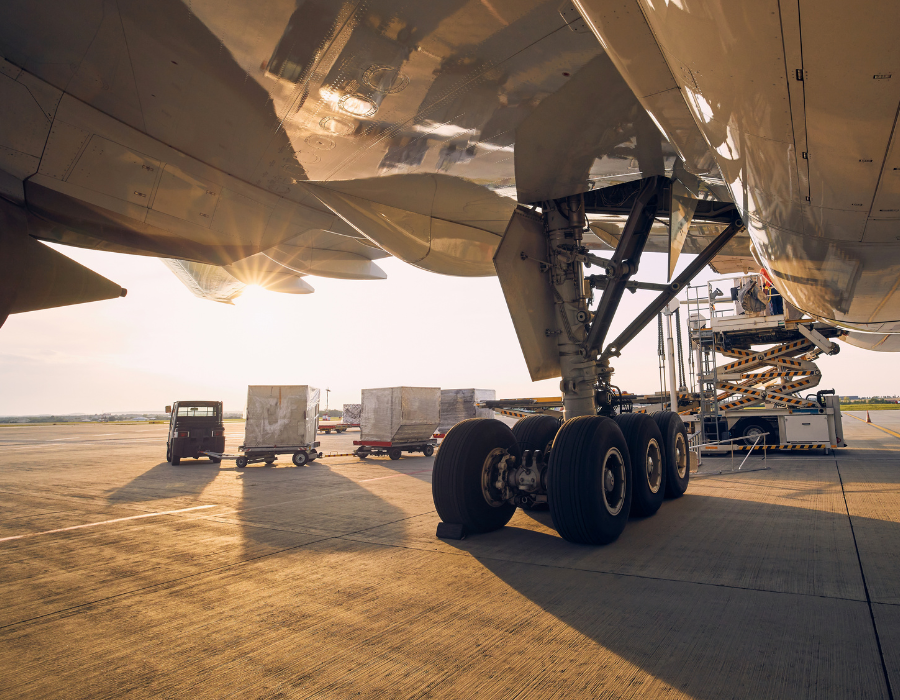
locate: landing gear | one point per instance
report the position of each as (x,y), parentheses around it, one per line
(592,470)
(470,478)
(648,473)
(590,488)
(675,452)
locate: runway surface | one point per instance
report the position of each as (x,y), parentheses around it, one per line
(123,576)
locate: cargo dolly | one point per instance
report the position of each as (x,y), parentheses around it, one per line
(375,448)
(300,454)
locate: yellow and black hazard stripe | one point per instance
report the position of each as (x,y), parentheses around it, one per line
(745,448)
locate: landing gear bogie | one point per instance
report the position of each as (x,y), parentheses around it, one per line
(645,449)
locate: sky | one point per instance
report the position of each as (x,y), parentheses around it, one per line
(161,344)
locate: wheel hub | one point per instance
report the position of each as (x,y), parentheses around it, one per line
(681,458)
(494,477)
(614,481)
(653,462)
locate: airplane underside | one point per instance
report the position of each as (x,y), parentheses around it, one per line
(264,143)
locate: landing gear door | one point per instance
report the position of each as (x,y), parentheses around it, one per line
(519,263)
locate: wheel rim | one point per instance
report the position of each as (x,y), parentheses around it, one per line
(753,432)
(613,479)
(681,459)
(490,475)
(653,464)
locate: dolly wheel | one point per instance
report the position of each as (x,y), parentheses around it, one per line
(361,453)
(648,471)
(300,458)
(589,488)
(394,453)
(240,462)
(675,448)
(270,459)
(428,451)
(465,474)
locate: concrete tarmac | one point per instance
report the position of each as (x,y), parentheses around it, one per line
(123,576)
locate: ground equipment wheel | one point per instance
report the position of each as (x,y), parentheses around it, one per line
(648,471)
(428,450)
(751,428)
(173,460)
(215,460)
(466,471)
(536,432)
(269,459)
(675,452)
(361,453)
(241,462)
(394,453)
(589,488)
(300,458)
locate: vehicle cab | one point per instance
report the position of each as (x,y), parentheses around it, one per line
(194,427)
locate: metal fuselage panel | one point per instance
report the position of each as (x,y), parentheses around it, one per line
(801,118)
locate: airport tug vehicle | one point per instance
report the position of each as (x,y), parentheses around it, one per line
(195,430)
(603,462)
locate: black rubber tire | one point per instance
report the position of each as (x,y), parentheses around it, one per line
(394,453)
(648,464)
(536,432)
(300,459)
(215,460)
(270,459)
(677,457)
(362,454)
(750,429)
(456,479)
(240,462)
(575,487)
(175,461)
(428,450)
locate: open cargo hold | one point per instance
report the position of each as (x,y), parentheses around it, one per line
(458,405)
(281,416)
(400,414)
(352,412)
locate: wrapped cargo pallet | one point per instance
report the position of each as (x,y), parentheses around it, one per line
(458,405)
(400,414)
(279,416)
(352,413)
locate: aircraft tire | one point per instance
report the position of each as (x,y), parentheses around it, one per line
(648,468)
(459,473)
(589,488)
(536,432)
(676,457)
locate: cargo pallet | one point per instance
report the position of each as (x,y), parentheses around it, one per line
(376,448)
(300,454)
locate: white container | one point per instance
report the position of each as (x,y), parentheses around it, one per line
(458,405)
(400,414)
(281,416)
(352,412)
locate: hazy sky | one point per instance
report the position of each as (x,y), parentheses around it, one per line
(160,343)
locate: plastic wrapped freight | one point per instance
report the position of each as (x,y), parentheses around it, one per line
(281,416)
(400,414)
(352,412)
(458,405)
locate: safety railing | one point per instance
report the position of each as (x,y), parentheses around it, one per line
(699,446)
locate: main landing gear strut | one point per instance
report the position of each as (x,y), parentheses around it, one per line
(603,463)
